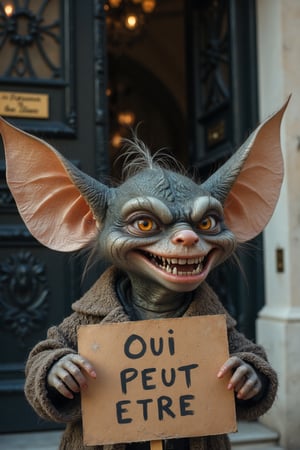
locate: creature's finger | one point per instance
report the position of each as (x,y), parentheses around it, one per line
(84,364)
(239,386)
(76,373)
(232,363)
(251,388)
(240,374)
(61,388)
(68,380)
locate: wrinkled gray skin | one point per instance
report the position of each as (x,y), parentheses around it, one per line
(158,214)
(167,233)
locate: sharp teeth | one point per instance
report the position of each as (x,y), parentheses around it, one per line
(167,264)
(199,268)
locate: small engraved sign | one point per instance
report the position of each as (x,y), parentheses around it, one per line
(24,104)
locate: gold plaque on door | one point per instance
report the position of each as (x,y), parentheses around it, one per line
(24,104)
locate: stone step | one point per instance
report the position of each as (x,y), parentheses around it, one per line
(42,440)
(250,436)
(256,447)
(254,436)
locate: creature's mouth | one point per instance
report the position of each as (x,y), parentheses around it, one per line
(178,266)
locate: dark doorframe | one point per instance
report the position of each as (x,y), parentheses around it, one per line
(222,97)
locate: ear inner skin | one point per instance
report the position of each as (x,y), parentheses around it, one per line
(51,205)
(249,183)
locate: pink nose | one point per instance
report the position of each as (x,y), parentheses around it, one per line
(185,237)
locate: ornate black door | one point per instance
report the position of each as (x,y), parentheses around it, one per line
(221,55)
(52,84)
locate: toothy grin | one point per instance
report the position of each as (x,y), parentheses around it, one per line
(178,266)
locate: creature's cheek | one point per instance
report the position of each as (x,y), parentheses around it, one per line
(225,242)
(117,245)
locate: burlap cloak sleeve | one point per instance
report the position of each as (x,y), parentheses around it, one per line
(254,355)
(60,341)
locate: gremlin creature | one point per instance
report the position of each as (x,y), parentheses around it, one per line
(162,233)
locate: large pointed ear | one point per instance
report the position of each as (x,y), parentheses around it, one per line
(248,184)
(58,202)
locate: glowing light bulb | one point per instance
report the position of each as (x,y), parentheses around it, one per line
(126,118)
(115,3)
(131,21)
(148,6)
(9,9)
(116,140)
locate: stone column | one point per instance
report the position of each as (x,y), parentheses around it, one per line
(278,325)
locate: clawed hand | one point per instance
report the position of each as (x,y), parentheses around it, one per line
(68,374)
(244,381)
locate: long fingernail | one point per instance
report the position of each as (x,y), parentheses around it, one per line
(229,386)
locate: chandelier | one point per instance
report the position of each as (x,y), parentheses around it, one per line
(125,19)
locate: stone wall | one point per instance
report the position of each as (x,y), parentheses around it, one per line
(278,326)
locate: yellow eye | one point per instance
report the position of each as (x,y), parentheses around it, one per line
(207,224)
(145,224)
(142,225)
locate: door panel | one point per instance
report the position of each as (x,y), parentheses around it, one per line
(53,50)
(222,83)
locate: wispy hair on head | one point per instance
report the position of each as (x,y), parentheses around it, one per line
(137,156)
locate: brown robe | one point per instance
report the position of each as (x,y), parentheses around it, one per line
(100,304)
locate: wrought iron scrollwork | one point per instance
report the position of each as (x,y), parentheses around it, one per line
(23,294)
(30,40)
(214,56)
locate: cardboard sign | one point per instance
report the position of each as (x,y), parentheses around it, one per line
(156,379)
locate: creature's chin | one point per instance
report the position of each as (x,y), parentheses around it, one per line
(177,273)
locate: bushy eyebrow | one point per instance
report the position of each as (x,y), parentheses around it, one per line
(203,205)
(148,204)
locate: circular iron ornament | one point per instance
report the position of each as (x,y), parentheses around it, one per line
(25,35)
(23,294)
(32,27)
